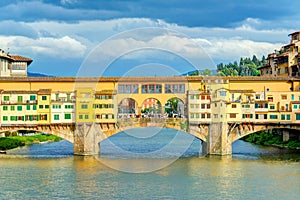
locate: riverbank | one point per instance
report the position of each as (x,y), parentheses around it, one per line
(272,139)
(12,142)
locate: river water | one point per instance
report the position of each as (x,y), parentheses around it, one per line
(149,168)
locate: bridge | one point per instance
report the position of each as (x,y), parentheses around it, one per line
(217,138)
(85,111)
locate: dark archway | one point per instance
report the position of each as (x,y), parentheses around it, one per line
(175,108)
(127,108)
(151,107)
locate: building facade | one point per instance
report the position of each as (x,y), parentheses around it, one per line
(13,65)
(286,61)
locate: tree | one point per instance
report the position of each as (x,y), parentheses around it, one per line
(207,72)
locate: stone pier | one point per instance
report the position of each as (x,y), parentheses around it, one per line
(217,142)
(86,139)
(285,135)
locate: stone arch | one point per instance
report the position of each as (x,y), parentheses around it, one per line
(175,107)
(127,107)
(246,129)
(151,107)
(66,132)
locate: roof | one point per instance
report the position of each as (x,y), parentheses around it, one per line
(294,33)
(18,58)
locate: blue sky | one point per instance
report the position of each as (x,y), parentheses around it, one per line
(76,37)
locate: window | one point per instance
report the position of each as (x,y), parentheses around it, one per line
(208,106)
(5,118)
(80,117)
(5,108)
(128,88)
(223,93)
(13,118)
(268,89)
(197,115)
(273,117)
(288,117)
(6,98)
(84,106)
(284,97)
(295,106)
(202,106)
(20,99)
(152,88)
(34,107)
(41,106)
(246,106)
(192,115)
(232,97)
(56,117)
(208,116)
(12,108)
(208,97)
(32,97)
(203,116)
(19,108)
(257,96)
(56,106)
(68,96)
(68,106)
(215,116)
(270,99)
(202,97)
(68,116)
(282,117)
(46,106)
(272,107)
(297,116)
(27,107)
(232,115)
(193,96)
(174,88)
(44,98)
(233,105)
(56,97)
(293,97)
(86,116)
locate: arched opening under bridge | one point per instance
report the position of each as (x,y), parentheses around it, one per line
(151,142)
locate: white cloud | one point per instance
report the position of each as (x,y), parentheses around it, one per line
(74,40)
(68,2)
(64,47)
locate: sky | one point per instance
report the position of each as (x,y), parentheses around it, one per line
(142,37)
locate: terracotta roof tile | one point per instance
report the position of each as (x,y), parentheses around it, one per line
(21,59)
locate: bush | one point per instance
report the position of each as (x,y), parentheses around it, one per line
(10,143)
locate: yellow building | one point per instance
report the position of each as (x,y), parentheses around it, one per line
(44,106)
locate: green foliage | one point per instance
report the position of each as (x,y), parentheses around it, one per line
(7,143)
(10,143)
(272,138)
(246,67)
(205,72)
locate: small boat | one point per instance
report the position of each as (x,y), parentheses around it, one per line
(2,152)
